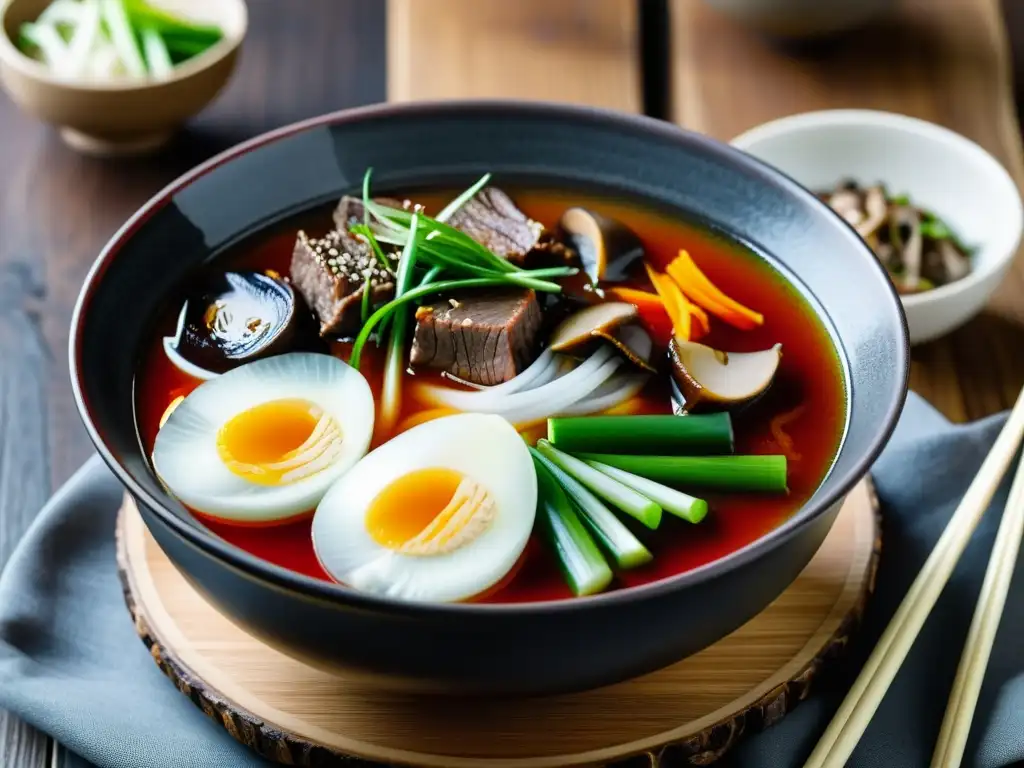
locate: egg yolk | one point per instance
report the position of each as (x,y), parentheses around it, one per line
(429,512)
(279,441)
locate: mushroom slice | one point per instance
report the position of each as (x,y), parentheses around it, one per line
(847,203)
(233,319)
(608,249)
(711,380)
(633,342)
(876,209)
(957,266)
(905,234)
(576,332)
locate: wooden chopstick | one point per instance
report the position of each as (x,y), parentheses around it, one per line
(850,721)
(956,725)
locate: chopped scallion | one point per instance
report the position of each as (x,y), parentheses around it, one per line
(115,18)
(450,210)
(170,26)
(364,306)
(622,496)
(579,558)
(158,59)
(675,502)
(728,473)
(85,39)
(44,38)
(391,390)
(643,434)
(371,239)
(616,539)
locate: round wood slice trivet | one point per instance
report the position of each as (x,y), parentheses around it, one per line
(689,713)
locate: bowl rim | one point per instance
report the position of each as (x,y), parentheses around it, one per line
(1003,250)
(11,55)
(333,594)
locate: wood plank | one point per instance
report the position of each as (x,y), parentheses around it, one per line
(946,61)
(579,51)
(58,208)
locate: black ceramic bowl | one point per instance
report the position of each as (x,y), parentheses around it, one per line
(514,649)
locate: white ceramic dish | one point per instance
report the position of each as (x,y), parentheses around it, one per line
(939,169)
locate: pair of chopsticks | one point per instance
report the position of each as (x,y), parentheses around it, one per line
(863,699)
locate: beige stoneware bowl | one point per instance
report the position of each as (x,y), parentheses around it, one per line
(121,118)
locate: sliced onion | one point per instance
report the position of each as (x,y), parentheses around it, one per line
(550,392)
(617,390)
(472,401)
(561,393)
(507,395)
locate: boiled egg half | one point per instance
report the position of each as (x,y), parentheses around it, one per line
(263,442)
(441,513)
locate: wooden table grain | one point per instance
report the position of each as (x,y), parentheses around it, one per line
(57,208)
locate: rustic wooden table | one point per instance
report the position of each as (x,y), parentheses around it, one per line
(673,59)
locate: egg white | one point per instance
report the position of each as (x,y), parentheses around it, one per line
(482,447)
(185,454)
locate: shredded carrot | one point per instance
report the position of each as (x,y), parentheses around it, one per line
(643,300)
(652,312)
(702,291)
(675,303)
(702,320)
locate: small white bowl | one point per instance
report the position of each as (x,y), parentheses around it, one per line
(940,170)
(126,117)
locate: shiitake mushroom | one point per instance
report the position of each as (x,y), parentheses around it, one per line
(709,379)
(633,343)
(235,318)
(614,322)
(609,251)
(578,328)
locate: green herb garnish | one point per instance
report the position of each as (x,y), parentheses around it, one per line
(440,248)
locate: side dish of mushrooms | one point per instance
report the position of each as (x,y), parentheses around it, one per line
(918,250)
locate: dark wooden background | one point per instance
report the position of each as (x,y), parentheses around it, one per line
(58,208)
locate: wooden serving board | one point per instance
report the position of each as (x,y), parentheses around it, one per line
(689,713)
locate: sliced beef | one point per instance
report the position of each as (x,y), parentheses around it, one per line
(330,273)
(350,210)
(486,337)
(494,221)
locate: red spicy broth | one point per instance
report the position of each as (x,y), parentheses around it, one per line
(802,415)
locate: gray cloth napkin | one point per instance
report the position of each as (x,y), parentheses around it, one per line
(71,664)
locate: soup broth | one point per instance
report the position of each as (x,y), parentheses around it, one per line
(800,416)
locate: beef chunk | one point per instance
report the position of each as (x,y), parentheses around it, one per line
(330,273)
(350,210)
(485,337)
(492,219)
